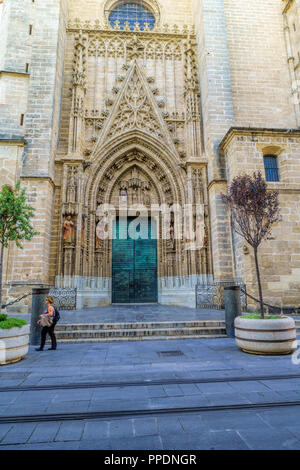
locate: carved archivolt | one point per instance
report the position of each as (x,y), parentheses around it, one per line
(113,177)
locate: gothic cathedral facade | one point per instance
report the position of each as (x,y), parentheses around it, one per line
(155,103)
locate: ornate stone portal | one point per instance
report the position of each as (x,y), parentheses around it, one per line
(134,142)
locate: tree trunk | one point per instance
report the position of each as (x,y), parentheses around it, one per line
(259,283)
(1,269)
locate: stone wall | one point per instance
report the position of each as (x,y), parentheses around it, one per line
(246,74)
(260,82)
(291,22)
(279,258)
(32,80)
(215,79)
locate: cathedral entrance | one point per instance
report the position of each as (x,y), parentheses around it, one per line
(134,261)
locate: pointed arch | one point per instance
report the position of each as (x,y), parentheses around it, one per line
(173,49)
(156,155)
(153,50)
(97,47)
(116,47)
(135,110)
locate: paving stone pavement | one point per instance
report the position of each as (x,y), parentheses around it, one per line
(134,313)
(120,363)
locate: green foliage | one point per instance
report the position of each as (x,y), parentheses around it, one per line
(3,316)
(15,215)
(257,316)
(12,323)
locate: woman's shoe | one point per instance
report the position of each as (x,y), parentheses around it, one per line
(39,349)
(51,349)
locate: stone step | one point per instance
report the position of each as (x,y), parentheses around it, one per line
(139,332)
(137,325)
(135,338)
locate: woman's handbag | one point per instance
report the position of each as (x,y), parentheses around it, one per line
(46,320)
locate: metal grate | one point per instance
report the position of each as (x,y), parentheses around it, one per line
(170,353)
(271,168)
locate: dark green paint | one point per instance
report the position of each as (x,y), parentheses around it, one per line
(134,266)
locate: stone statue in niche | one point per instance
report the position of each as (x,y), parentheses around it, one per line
(100,235)
(68,261)
(69,231)
(72,185)
(171,241)
(82,232)
(123,193)
(197,186)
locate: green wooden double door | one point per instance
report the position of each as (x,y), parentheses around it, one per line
(134,264)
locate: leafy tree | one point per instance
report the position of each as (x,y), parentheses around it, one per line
(15,215)
(254,210)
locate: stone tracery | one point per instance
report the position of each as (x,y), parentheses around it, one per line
(134,118)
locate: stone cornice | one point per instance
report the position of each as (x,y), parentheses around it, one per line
(283,187)
(14,73)
(38,177)
(163,31)
(12,140)
(255,131)
(216,181)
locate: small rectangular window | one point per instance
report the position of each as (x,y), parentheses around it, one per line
(30,29)
(22,120)
(27,68)
(271,168)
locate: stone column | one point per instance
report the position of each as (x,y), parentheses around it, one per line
(215,81)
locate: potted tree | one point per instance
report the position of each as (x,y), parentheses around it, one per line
(254,210)
(15,215)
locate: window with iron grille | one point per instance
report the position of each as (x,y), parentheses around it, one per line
(271,168)
(132,13)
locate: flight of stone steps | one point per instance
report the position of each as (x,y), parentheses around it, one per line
(98,332)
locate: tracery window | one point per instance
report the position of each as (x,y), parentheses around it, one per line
(132,13)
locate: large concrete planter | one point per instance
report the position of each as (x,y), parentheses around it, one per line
(270,337)
(13,344)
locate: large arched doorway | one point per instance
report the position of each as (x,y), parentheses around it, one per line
(136,175)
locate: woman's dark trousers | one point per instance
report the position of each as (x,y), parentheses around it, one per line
(50,331)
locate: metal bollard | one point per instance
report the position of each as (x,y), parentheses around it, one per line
(232,300)
(38,306)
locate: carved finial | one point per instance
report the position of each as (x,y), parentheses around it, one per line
(117,26)
(126,26)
